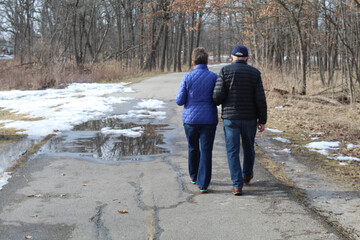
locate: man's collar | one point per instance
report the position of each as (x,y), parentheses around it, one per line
(240,61)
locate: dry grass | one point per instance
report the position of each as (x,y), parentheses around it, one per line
(8,135)
(13,75)
(7,115)
(301,117)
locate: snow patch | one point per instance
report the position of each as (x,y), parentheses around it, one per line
(280,139)
(286,150)
(322,147)
(274,130)
(132,132)
(4,177)
(345,158)
(60,109)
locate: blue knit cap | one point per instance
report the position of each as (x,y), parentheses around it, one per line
(240,51)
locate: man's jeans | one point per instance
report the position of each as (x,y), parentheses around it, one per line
(200,155)
(234,129)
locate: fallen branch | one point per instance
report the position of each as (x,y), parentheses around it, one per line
(319,99)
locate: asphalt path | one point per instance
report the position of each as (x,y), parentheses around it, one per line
(52,197)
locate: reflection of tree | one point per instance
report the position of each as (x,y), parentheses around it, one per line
(116,147)
(111,147)
(97,125)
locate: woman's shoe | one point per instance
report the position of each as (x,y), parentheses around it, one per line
(203,190)
(236,191)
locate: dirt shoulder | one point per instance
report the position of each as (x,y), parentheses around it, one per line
(327,185)
(302,122)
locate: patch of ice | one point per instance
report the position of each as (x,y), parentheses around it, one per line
(132,132)
(4,177)
(287,150)
(321,151)
(5,121)
(346,158)
(274,130)
(280,139)
(141,114)
(316,133)
(350,145)
(150,104)
(323,146)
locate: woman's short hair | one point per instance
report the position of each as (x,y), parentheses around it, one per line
(200,56)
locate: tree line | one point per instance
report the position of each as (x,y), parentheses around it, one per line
(296,37)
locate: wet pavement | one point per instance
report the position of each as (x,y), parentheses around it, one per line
(87,141)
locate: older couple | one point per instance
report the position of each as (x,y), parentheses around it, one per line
(239,90)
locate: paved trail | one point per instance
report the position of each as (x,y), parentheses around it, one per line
(53,197)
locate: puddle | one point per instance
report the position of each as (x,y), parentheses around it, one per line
(10,153)
(89,141)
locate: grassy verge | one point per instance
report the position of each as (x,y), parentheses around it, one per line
(302,120)
(9,135)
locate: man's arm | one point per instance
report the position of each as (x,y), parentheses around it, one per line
(219,93)
(260,127)
(261,102)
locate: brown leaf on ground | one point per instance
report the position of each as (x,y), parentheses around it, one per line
(122,211)
(35,195)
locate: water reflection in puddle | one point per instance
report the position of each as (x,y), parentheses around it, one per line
(87,140)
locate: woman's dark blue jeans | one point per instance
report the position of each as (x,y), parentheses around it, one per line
(200,142)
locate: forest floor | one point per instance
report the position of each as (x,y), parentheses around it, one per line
(302,120)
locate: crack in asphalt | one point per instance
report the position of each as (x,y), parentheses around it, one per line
(154,229)
(101,232)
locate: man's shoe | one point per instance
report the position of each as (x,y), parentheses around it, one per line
(236,191)
(248,179)
(203,190)
(193,181)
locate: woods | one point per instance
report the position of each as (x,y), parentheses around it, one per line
(296,38)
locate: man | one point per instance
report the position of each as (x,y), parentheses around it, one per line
(240,91)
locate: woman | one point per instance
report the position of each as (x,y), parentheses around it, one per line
(199,118)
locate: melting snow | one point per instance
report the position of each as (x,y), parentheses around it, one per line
(280,139)
(61,109)
(274,130)
(132,132)
(346,158)
(322,147)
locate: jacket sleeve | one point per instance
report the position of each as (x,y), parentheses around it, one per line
(220,92)
(261,102)
(181,95)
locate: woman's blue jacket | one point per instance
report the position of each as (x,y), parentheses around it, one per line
(195,92)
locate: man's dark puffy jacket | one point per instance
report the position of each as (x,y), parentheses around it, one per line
(240,90)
